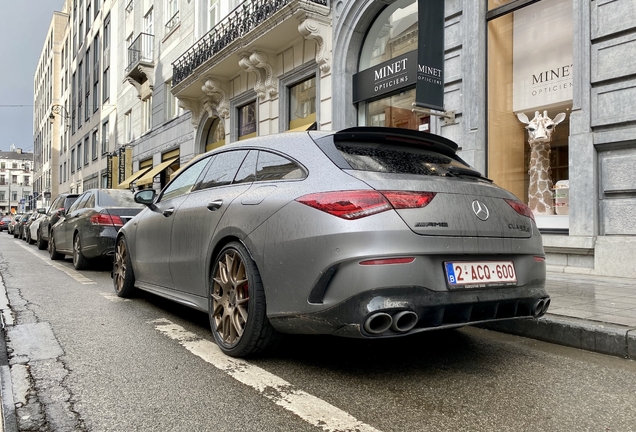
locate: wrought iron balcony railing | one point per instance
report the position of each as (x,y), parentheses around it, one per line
(141,50)
(237,24)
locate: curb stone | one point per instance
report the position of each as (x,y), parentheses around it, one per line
(598,337)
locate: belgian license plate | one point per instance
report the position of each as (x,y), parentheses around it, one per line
(479,274)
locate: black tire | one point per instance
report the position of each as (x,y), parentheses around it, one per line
(29,240)
(123,276)
(80,262)
(53,253)
(236,283)
(41,244)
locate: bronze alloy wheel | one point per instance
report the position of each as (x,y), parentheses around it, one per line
(230,297)
(80,262)
(123,278)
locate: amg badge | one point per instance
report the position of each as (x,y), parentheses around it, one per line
(431,224)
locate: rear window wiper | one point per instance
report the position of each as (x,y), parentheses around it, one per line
(465,171)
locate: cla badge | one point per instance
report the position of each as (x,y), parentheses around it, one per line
(480,210)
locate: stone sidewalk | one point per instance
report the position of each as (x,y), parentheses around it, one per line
(595,313)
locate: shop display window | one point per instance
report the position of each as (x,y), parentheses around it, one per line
(216,135)
(392,35)
(302,104)
(247,121)
(529,104)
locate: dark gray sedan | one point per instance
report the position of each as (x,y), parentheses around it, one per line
(366,232)
(87,230)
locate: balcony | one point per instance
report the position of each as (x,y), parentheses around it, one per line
(270,23)
(141,59)
(172,23)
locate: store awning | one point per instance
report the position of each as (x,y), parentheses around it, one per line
(126,183)
(307,127)
(147,178)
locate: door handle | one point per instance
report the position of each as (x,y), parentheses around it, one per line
(168,212)
(215,205)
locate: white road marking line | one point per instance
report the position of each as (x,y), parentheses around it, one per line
(114,298)
(71,272)
(313,410)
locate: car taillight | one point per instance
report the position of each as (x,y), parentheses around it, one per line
(358,204)
(520,208)
(106,219)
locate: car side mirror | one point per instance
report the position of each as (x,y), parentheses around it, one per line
(145,196)
(42,210)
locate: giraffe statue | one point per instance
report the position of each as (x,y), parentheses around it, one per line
(540,130)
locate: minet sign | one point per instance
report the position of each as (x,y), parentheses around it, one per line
(429,90)
(385,78)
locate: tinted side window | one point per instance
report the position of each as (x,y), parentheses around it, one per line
(247,172)
(275,167)
(66,203)
(77,203)
(55,205)
(223,169)
(90,202)
(185,181)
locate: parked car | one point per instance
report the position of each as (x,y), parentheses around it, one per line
(366,232)
(25,223)
(4,223)
(13,224)
(30,229)
(59,205)
(87,230)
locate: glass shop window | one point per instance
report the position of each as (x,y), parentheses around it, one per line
(302,104)
(529,104)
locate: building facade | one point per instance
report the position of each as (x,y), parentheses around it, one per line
(16,182)
(48,134)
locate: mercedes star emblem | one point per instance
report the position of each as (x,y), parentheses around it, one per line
(480,210)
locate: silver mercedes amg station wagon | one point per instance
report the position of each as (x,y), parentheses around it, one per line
(366,232)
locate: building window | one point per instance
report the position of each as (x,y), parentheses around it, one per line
(86,150)
(60,174)
(212,14)
(247,121)
(105,135)
(216,135)
(106,60)
(79,156)
(171,14)
(146,112)
(302,104)
(94,145)
(149,29)
(80,70)
(128,133)
(73,160)
(64,172)
(96,62)
(172,103)
(529,103)
(14,179)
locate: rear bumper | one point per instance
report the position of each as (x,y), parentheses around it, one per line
(433,309)
(99,242)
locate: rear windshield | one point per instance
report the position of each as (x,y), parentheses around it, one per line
(385,158)
(116,198)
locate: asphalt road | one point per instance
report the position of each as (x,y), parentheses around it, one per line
(83,359)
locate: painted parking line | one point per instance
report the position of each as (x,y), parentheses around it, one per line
(71,272)
(114,298)
(311,409)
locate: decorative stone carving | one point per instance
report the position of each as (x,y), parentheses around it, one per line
(218,103)
(540,130)
(321,33)
(259,60)
(248,66)
(256,62)
(195,106)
